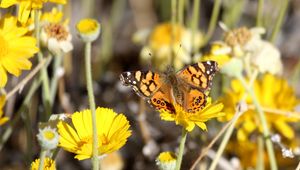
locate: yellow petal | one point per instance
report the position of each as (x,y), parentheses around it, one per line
(7,3)
(284,129)
(3,77)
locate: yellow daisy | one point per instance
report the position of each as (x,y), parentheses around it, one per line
(27,5)
(113,131)
(15,48)
(189,119)
(219,52)
(49,164)
(274,95)
(161,45)
(2,119)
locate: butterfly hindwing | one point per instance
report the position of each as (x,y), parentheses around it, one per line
(194,100)
(162,99)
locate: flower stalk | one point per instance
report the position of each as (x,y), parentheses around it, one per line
(225,140)
(263,121)
(213,21)
(259,16)
(54,81)
(42,159)
(279,21)
(181,149)
(45,79)
(194,24)
(88,71)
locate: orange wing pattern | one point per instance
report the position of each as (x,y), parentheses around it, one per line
(199,75)
(149,85)
(190,88)
(199,79)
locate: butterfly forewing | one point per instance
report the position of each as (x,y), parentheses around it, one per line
(199,75)
(143,83)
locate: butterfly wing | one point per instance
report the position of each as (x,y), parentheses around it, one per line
(199,75)
(198,78)
(149,86)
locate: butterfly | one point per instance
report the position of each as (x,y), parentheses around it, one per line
(188,87)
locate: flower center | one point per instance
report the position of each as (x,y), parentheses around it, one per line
(3,47)
(49,135)
(104,140)
(87,26)
(239,36)
(56,31)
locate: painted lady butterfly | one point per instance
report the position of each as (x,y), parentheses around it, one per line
(188,87)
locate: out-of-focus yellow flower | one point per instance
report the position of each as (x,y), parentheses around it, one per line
(113,161)
(161,46)
(88,29)
(55,34)
(166,161)
(49,164)
(219,52)
(189,119)
(273,94)
(55,16)
(2,103)
(25,6)
(247,154)
(15,48)
(112,129)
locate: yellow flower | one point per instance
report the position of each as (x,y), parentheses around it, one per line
(54,16)
(2,119)
(88,29)
(15,48)
(166,161)
(161,46)
(273,94)
(55,34)
(219,52)
(49,164)
(112,131)
(189,119)
(247,154)
(27,5)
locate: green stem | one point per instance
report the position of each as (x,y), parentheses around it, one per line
(194,24)
(173,33)
(263,121)
(279,21)
(213,21)
(54,80)
(42,159)
(259,17)
(260,154)
(181,149)
(181,12)
(8,131)
(224,141)
(45,79)
(88,71)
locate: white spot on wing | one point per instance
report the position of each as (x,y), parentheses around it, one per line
(208,62)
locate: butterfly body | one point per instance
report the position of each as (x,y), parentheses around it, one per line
(188,87)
